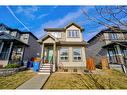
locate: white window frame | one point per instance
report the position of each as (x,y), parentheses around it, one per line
(73,34)
(65,57)
(78,57)
(56,34)
(114,36)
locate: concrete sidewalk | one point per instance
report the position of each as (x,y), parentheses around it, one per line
(36,82)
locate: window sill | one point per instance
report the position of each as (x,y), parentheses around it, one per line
(64,60)
(77,60)
(73,37)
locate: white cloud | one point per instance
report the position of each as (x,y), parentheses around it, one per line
(70,17)
(61,22)
(42,15)
(28,11)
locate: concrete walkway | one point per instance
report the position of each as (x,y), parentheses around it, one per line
(36,82)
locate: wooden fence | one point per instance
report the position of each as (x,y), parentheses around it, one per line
(91,65)
(104,63)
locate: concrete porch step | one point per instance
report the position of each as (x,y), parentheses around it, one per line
(45,66)
(43,73)
(44,70)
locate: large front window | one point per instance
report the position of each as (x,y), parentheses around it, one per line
(64,54)
(73,33)
(77,54)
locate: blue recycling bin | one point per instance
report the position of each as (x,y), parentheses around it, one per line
(36,66)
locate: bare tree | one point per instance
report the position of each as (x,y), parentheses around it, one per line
(109,16)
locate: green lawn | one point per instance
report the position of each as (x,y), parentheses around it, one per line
(13,81)
(107,80)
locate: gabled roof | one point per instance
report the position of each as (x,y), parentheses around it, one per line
(8,28)
(27,32)
(5,36)
(54,29)
(118,30)
(17,30)
(63,29)
(82,29)
(8,37)
(47,36)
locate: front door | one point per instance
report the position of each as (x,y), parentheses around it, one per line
(50,55)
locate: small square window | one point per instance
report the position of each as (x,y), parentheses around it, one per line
(65,70)
(75,70)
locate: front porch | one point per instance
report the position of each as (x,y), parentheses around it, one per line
(48,55)
(117,53)
(11,50)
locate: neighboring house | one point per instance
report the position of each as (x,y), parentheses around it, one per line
(64,48)
(110,43)
(17,46)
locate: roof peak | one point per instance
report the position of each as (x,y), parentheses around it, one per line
(63,29)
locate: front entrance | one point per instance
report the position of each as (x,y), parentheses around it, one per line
(48,55)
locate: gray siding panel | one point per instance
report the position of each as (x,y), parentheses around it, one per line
(33,49)
(95,50)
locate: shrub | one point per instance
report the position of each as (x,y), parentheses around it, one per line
(13,66)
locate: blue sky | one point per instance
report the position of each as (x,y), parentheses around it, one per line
(36,18)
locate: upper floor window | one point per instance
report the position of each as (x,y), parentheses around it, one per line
(114,36)
(25,37)
(13,33)
(73,33)
(77,54)
(64,54)
(56,34)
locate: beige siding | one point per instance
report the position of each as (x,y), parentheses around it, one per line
(120,35)
(70,62)
(49,40)
(106,36)
(63,35)
(74,39)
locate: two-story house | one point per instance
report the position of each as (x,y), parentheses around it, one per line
(17,46)
(110,43)
(64,48)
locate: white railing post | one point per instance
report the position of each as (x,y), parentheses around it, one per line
(1,47)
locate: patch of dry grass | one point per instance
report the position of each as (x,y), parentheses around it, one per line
(111,79)
(13,81)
